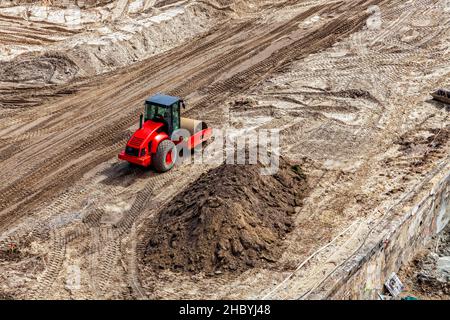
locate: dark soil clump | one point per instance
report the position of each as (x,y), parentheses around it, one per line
(231,219)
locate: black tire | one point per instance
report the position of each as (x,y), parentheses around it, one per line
(159,158)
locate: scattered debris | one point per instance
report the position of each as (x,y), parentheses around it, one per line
(428,274)
(443,268)
(10,253)
(394,285)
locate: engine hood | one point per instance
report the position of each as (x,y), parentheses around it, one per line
(143,135)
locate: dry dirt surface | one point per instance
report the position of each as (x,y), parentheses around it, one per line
(346,83)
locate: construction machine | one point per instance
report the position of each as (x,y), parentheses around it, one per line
(441,95)
(152,144)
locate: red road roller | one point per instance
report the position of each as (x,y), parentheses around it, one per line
(161,132)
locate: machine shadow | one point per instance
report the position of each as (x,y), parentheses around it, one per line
(439,105)
(125,174)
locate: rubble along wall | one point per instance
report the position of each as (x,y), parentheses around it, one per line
(364,277)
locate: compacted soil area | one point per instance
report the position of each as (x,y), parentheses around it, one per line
(345,84)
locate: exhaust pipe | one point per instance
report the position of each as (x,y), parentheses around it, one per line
(141,118)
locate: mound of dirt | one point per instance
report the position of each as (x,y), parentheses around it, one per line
(43,69)
(231,219)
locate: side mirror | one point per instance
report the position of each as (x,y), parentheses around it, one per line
(183,105)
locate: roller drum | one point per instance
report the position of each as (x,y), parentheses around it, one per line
(192,125)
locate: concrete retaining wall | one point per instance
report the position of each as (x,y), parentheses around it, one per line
(395,242)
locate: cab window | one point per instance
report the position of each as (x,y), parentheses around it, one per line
(150,111)
(176,116)
(153,111)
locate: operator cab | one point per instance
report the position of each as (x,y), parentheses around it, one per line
(165,109)
(152,143)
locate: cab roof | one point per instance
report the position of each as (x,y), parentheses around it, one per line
(162,99)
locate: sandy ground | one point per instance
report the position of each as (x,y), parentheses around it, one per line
(349,96)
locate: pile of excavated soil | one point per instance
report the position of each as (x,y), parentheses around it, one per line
(106,47)
(47,68)
(231,219)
